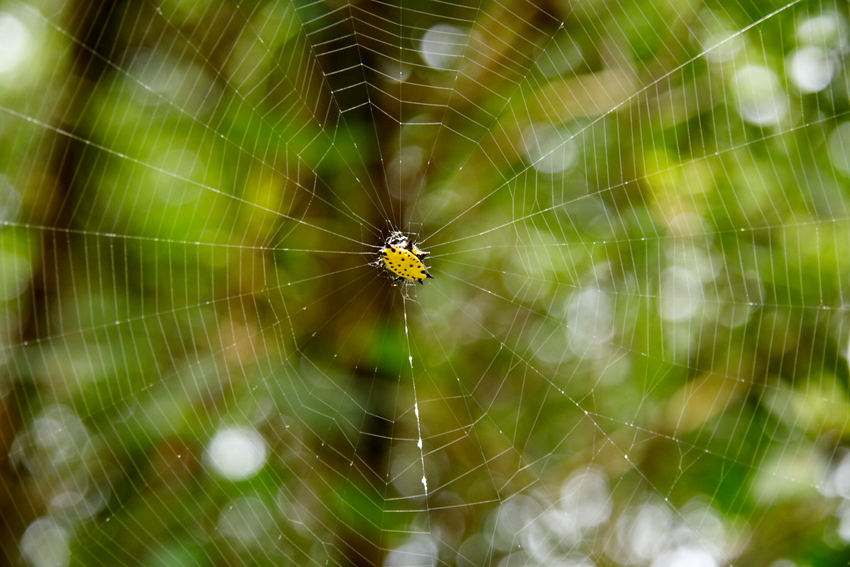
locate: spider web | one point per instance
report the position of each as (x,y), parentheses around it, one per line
(633,351)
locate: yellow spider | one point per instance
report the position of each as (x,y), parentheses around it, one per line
(402,259)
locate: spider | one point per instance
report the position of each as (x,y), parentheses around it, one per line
(401,259)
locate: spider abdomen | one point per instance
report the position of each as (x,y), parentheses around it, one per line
(404,264)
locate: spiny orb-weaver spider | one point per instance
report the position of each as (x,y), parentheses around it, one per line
(401,259)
